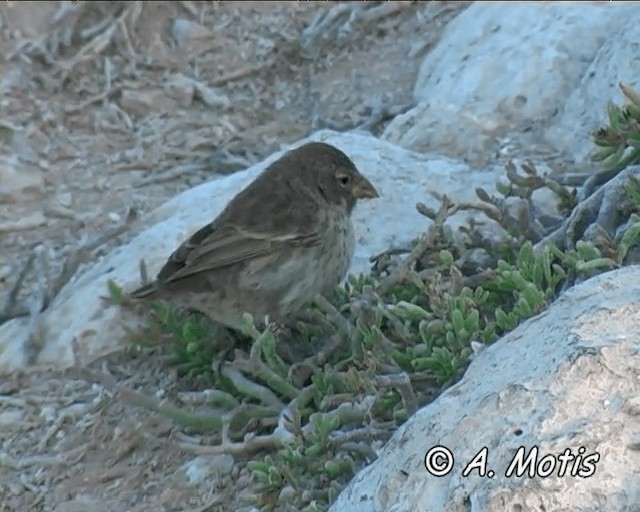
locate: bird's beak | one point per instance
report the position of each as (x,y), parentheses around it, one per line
(363,189)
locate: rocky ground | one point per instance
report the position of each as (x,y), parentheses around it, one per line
(107,110)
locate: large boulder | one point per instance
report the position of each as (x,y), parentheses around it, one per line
(538,74)
(566,382)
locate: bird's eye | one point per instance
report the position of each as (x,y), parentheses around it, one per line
(344,179)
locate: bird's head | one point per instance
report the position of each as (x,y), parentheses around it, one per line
(336,176)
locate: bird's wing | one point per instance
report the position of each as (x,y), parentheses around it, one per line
(215,247)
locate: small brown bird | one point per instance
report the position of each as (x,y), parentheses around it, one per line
(284,239)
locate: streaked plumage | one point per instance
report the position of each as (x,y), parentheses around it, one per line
(281,241)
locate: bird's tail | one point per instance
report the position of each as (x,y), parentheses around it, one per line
(146,291)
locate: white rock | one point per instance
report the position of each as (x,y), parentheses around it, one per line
(186,31)
(615,61)
(65,199)
(180,88)
(78,313)
(203,469)
(566,379)
(25,222)
(19,182)
(5,271)
(184,88)
(504,67)
(11,416)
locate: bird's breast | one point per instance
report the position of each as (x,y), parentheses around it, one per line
(339,246)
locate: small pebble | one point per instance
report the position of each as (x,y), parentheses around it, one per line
(65,199)
(11,417)
(184,31)
(5,271)
(48,412)
(16,489)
